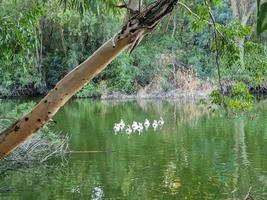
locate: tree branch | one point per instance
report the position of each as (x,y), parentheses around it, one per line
(217,58)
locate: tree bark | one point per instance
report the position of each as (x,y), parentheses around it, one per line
(139,25)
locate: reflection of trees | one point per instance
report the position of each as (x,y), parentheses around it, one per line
(241,173)
(171,180)
(185,112)
(244,173)
(188,113)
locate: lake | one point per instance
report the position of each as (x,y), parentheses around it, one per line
(197,154)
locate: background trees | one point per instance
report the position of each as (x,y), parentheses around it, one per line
(242,11)
(48,40)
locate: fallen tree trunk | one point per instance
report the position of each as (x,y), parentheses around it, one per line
(139,24)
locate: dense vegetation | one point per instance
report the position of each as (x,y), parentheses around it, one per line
(41,41)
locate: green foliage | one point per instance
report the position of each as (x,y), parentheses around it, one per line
(235,30)
(232,33)
(262,16)
(255,72)
(201,22)
(95,6)
(42,43)
(121,75)
(229,46)
(19,110)
(216,97)
(254,69)
(90,90)
(18,42)
(238,98)
(216,2)
(17,30)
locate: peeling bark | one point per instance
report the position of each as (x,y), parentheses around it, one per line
(139,24)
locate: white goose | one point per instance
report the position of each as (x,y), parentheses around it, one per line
(116,128)
(128,130)
(161,122)
(146,124)
(122,125)
(140,128)
(155,124)
(134,126)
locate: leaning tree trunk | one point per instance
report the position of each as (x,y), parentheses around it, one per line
(139,24)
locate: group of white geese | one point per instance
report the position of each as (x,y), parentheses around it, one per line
(137,127)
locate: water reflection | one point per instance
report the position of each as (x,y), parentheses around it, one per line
(98,194)
(196,155)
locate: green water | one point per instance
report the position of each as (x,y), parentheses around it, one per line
(196,155)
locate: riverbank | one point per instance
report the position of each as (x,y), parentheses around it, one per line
(173,94)
(141,94)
